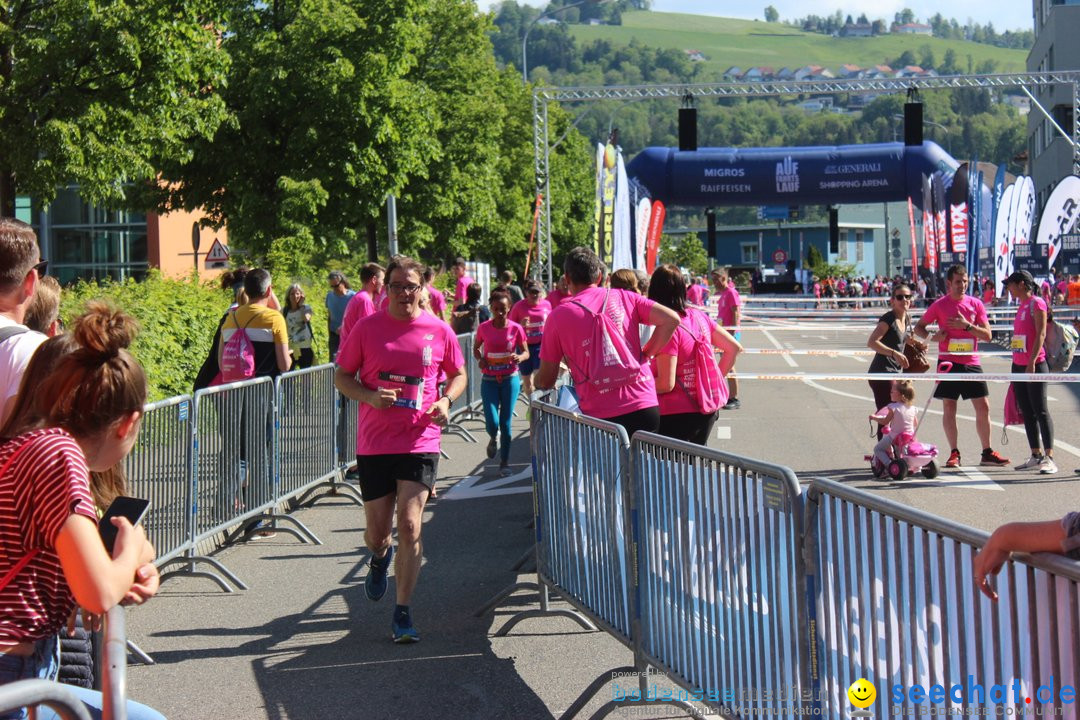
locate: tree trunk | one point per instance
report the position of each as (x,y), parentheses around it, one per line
(7,193)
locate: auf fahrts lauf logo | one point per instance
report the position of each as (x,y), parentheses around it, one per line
(787,176)
(862,695)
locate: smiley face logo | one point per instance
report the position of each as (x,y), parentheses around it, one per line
(862,693)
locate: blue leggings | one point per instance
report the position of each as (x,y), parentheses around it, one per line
(44,664)
(499,399)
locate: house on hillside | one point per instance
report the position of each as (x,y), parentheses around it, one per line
(849,71)
(785,73)
(878,72)
(913,29)
(857,30)
(695,55)
(759,73)
(733,73)
(910,71)
(814,72)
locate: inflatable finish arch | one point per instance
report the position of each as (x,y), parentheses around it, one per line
(882,172)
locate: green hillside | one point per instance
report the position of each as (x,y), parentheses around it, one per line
(746,43)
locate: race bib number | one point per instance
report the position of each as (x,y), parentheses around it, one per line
(961,345)
(410,389)
(500,362)
(1019,343)
(534,329)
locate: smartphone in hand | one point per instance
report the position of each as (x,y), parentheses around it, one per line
(134,509)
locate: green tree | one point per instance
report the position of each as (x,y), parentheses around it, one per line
(686,252)
(99,93)
(326,121)
(772,14)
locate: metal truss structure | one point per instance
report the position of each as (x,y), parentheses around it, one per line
(543,97)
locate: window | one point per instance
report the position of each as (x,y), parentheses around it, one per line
(842,255)
(749,254)
(858,246)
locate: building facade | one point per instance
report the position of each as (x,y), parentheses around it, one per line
(1057,25)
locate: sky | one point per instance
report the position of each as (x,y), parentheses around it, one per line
(1005,14)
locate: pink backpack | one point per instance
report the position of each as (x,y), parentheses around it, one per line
(237,361)
(711,391)
(611,363)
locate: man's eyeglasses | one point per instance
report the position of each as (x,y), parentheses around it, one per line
(902,297)
(402,288)
(42,268)
(534,292)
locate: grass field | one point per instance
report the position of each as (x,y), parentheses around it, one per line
(746,43)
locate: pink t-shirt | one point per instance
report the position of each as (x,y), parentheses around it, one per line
(532,318)
(360,306)
(555,297)
(1024,331)
(569,326)
(696,294)
(460,290)
(959,346)
(46,484)
(682,398)
(438,301)
(385,352)
(727,301)
(498,346)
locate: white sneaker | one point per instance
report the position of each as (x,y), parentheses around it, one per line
(1035,461)
(1048,467)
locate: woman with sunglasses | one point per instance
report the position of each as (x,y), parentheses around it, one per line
(531,314)
(892,331)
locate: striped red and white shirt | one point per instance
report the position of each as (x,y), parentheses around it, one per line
(46,484)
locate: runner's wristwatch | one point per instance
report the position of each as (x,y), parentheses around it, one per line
(444,395)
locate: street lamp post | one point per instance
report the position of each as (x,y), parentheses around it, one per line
(532,24)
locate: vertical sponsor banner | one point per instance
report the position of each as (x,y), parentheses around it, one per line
(914,241)
(641,230)
(532,234)
(974,201)
(1025,211)
(621,252)
(928,225)
(652,239)
(1059,216)
(1002,260)
(958,211)
(937,188)
(598,215)
(996,194)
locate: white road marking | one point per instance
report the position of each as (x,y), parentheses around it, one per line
(723,432)
(467,489)
(776,344)
(972,479)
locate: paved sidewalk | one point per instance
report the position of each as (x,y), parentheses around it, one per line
(305,642)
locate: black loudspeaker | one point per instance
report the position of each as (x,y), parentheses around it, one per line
(913,123)
(710,232)
(688,128)
(834,231)
(372,243)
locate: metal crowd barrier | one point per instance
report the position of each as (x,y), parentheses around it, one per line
(898,602)
(721,581)
(306,457)
(114,665)
(468,405)
(31,693)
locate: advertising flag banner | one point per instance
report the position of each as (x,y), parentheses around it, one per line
(621,251)
(1059,216)
(928,225)
(641,231)
(914,241)
(652,240)
(1025,211)
(1002,244)
(598,215)
(958,211)
(940,227)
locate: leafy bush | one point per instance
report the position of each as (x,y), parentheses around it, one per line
(177,320)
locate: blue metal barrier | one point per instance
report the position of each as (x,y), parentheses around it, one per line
(899,606)
(468,405)
(720,577)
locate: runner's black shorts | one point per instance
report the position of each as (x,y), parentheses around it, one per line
(968,390)
(379,474)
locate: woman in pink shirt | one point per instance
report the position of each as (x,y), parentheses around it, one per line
(631,402)
(677,384)
(1029,356)
(499,348)
(531,314)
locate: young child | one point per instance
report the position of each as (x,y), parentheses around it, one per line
(901,418)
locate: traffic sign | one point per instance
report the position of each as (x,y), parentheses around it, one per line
(779,256)
(218,257)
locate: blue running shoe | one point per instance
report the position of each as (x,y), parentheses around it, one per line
(404,632)
(375,582)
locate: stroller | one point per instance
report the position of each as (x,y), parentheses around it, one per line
(909,455)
